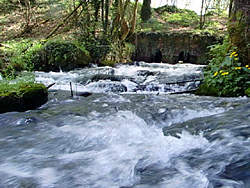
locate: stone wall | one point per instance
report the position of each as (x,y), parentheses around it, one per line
(173,47)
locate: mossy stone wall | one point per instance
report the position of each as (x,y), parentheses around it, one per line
(173,47)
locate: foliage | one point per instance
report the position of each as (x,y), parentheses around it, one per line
(59,54)
(98,48)
(247,92)
(218,52)
(226,75)
(153,25)
(183,18)
(107,44)
(18,56)
(30,55)
(121,52)
(228,72)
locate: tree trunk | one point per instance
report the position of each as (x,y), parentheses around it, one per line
(107,4)
(102,5)
(146,10)
(230,8)
(239,29)
(133,22)
(201,16)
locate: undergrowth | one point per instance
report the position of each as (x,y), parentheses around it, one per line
(225,76)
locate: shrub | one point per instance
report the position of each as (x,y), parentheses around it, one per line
(167,8)
(225,76)
(98,48)
(17,56)
(59,55)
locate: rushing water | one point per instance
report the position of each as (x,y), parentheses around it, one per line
(130,133)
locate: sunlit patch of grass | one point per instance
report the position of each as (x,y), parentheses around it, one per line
(183,19)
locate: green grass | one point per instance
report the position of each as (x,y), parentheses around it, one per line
(172,19)
(184,18)
(153,25)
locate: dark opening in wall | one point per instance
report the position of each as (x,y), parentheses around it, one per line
(157,58)
(184,57)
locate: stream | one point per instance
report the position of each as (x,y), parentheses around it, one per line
(130,131)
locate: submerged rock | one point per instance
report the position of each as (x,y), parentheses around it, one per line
(27,98)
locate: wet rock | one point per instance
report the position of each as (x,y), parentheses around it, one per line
(99,77)
(84,94)
(140,88)
(115,87)
(145,73)
(28,98)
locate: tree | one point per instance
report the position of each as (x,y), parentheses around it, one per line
(146,10)
(201,14)
(204,7)
(239,29)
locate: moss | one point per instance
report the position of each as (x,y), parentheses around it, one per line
(24,97)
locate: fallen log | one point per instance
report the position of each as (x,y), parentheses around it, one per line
(185,81)
(183,92)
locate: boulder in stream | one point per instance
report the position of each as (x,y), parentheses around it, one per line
(25,98)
